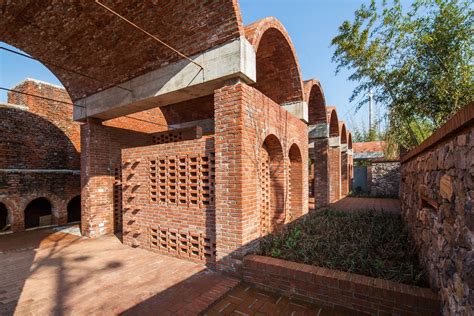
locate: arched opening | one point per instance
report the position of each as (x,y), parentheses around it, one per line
(74,210)
(333,122)
(278,71)
(38,213)
(272,185)
(296,182)
(4,218)
(344,161)
(316,102)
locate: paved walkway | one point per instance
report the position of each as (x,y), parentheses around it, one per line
(52,273)
(248,300)
(349,204)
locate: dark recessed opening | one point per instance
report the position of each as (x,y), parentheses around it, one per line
(38,213)
(4,223)
(74,210)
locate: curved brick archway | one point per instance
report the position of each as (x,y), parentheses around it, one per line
(314,96)
(98,44)
(36,211)
(272,185)
(278,70)
(344,160)
(4,218)
(334,156)
(296,194)
(74,210)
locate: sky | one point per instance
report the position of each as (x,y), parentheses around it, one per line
(311,25)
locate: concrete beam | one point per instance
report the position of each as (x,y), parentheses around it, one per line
(320,130)
(334,141)
(207,125)
(173,83)
(298,109)
(350,152)
(343,147)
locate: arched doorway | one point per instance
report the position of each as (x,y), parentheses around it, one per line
(272,185)
(4,220)
(38,213)
(74,210)
(296,182)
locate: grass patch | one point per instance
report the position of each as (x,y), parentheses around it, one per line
(375,244)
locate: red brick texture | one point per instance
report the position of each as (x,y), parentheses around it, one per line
(314,96)
(278,70)
(100,156)
(335,288)
(334,156)
(344,161)
(37,135)
(108,48)
(253,140)
(169,200)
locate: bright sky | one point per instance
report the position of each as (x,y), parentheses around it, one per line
(311,24)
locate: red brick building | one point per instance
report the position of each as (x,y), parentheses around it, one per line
(39,158)
(196,154)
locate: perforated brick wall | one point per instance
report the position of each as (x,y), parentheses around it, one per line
(168,198)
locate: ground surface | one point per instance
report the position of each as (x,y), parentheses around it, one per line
(51,273)
(351,204)
(247,300)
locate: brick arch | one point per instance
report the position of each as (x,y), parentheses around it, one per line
(296,194)
(103,46)
(40,206)
(343,132)
(333,121)
(272,185)
(349,140)
(314,97)
(278,70)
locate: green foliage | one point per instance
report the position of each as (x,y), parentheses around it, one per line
(370,243)
(417,60)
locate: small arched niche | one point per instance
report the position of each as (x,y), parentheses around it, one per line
(272,185)
(38,213)
(296,182)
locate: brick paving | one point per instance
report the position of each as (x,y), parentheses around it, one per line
(45,273)
(248,300)
(356,204)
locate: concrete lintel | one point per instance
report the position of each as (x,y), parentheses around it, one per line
(344,147)
(298,109)
(320,130)
(14,106)
(61,171)
(207,125)
(350,152)
(334,141)
(173,83)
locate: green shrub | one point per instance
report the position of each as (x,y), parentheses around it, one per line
(375,244)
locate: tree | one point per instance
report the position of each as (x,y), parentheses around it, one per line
(418,61)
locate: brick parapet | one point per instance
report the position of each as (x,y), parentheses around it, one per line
(336,288)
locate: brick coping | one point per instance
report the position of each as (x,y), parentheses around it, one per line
(308,282)
(462,118)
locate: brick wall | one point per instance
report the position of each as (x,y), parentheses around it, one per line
(336,288)
(437,198)
(100,161)
(169,200)
(253,139)
(39,137)
(321,175)
(334,164)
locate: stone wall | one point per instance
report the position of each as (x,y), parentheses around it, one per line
(437,194)
(384,178)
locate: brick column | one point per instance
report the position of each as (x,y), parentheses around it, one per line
(96,181)
(334,162)
(350,160)
(344,171)
(319,136)
(229,176)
